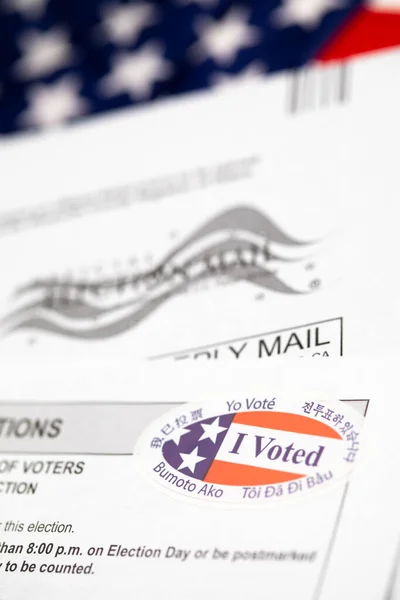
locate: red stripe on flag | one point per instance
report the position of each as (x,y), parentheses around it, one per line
(286,422)
(226,473)
(367,31)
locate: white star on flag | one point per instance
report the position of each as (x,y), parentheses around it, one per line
(43,53)
(29,8)
(135,73)
(190,461)
(211,431)
(221,39)
(250,74)
(123,23)
(305,13)
(54,103)
(177,434)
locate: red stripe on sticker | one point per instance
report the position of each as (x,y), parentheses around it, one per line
(286,422)
(226,473)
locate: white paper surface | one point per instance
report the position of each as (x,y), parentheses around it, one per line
(219,227)
(340,541)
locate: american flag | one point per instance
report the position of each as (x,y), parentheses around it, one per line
(64,60)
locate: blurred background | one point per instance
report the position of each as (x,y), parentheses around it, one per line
(65,60)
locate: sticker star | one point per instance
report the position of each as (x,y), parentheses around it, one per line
(123,23)
(222,39)
(305,13)
(135,73)
(43,53)
(54,103)
(212,431)
(177,434)
(190,461)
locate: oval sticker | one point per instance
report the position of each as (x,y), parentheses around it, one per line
(251,450)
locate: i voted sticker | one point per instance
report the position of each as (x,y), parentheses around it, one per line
(251,450)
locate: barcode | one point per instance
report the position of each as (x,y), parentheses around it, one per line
(318,87)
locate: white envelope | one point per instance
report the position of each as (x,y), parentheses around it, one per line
(217,227)
(86,510)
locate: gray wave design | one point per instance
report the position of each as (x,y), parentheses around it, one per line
(96,332)
(67,299)
(226,221)
(244,218)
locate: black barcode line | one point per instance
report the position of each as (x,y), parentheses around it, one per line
(318,87)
